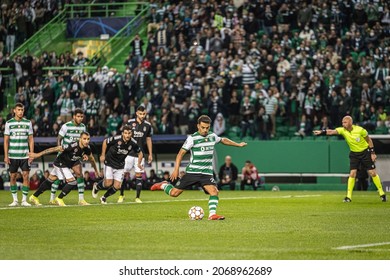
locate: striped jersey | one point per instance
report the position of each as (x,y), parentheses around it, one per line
(70,132)
(202,151)
(18,132)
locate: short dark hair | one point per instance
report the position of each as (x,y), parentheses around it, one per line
(78,111)
(204,119)
(84,133)
(19,105)
(127,127)
(141,108)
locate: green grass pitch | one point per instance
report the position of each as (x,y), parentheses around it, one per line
(267,225)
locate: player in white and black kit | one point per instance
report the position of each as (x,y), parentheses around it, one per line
(114,152)
(142,133)
(62,166)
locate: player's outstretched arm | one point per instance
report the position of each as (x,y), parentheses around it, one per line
(91,159)
(325,132)
(45,152)
(228,142)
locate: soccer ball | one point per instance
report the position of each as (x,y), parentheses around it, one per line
(196,213)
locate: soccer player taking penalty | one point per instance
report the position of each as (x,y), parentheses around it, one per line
(201,144)
(361,152)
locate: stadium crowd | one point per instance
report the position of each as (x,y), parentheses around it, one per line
(304,64)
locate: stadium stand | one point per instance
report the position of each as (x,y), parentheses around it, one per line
(290,58)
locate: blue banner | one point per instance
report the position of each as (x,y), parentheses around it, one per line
(94,27)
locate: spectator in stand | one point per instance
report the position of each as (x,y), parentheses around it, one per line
(247,112)
(34,182)
(137,47)
(219,126)
(66,105)
(249,176)
(228,174)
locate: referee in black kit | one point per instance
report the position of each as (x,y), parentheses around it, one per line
(142,134)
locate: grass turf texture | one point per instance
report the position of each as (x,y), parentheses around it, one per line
(258,225)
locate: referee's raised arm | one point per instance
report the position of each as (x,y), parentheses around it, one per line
(324,132)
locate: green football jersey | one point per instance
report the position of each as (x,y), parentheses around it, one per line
(70,132)
(202,151)
(18,132)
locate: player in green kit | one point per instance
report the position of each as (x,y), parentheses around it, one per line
(18,142)
(201,144)
(70,132)
(361,152)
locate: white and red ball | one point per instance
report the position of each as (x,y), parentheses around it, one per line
(196,213)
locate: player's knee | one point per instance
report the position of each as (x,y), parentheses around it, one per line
(72,182)
(213,191)
(372,172)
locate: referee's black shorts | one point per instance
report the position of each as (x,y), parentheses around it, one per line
(361,160)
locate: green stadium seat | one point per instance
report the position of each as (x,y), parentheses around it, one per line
(282,130)
(291,131)
(381,130)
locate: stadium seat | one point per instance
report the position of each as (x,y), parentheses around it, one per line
(381,130)
(282,130)
(291,131)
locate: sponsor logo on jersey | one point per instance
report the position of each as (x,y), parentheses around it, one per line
(138,134)
(123,151)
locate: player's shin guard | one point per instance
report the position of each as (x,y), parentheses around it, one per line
(100,185)
(81,187)
(167,188)
(110,192)
(25,190)
(54,188)
(122,193)
(138,186)
(378,184)
(14,192)
(46,185)
(351,184)
(213,203)
(67,188)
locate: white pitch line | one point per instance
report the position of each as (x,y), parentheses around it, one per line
(361,246)
(161,201)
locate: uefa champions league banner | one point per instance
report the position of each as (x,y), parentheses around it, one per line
(94,27)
